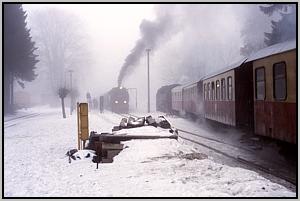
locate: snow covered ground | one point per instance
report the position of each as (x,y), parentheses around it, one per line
(35,164)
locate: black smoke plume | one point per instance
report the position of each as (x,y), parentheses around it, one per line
(152,33)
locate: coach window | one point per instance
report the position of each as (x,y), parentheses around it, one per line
(204,86)
(223,89)
(260,90)
(212,95)
(229,88)
(279,81)
(218,90)
(208,91)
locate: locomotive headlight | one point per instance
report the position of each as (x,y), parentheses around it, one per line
(116,102)
(125,101)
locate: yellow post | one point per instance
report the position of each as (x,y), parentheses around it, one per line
(78,125)
(83,123)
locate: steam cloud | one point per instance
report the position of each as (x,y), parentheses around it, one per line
(152,33)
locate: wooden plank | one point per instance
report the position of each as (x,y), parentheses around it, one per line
(112,146)
(112,153)
(107,160)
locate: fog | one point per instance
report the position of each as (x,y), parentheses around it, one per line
(186,42)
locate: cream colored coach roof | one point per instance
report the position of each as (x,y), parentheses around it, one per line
(265,52)
(273,49)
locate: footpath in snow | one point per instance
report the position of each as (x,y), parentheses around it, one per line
(35,164)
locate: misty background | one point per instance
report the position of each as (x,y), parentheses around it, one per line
(103,45)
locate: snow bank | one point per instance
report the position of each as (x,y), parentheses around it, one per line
(35,164)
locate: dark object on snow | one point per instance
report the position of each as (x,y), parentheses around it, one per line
(94,137)
(116,128)
(133,123)
(71,152)
(151,121)
(98,158)
(163,123)
(123,123)
(175,132)
(110,138)
(88,155)
(108,145)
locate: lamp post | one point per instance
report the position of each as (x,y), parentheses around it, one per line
(148,50)
(135,95)
(65,85)
(71,92)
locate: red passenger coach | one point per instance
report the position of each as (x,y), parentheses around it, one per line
(228,96)
(274,75)
(257,93)
(177,99)
(193,98)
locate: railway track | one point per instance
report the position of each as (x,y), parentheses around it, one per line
(215,140)
(22,117)
(14,121)
(240,159)
(237,158)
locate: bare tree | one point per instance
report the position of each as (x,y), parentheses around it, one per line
(61,42)
(62,93)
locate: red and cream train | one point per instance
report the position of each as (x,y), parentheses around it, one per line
(258,93)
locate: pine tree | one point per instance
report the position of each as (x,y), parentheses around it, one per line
(285,28)
(19,57)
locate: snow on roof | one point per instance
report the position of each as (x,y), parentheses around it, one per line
(274,49)
(188,84)
(192,84)
(265,52)
(225,69)
(178,88)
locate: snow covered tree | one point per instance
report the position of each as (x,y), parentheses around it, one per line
(19,57)
(252,40)
(285,28)
(254,24)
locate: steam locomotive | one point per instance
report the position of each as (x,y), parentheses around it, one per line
(117,100)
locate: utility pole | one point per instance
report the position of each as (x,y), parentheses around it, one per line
(136,98)
(65,79)
(71,92)
(148,50)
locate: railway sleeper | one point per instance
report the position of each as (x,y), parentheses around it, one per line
(107,145)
